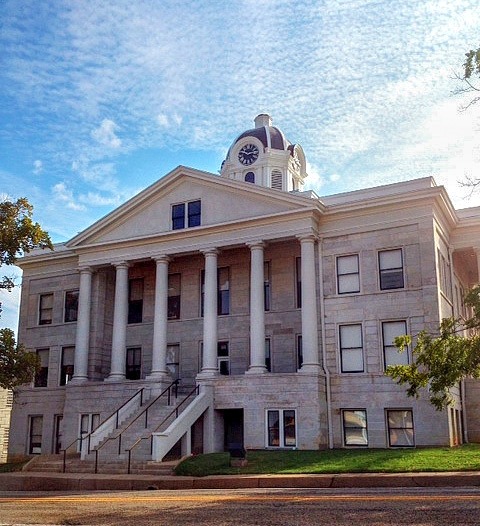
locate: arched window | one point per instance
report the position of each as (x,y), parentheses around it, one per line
(277,180)
(250,177)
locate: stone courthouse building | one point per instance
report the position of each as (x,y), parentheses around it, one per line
(279,305)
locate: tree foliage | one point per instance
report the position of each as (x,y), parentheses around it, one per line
(17,366)
(442,360)
(470,76)
(19,234)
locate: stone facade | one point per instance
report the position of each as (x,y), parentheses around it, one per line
(279,303)
(6,400)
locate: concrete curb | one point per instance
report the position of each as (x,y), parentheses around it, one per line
(21,481)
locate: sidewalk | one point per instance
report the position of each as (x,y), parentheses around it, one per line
(31,481)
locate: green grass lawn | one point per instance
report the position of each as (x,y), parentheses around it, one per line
(463,458)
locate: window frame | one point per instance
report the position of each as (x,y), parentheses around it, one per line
(342,348)
(66,370)
(268,353)
(174,301)
(135,306)
(386,346)
(340,275)
(41,376)
(267,286)
(390,429)
(345,427)
(186,215)
(68,310)
(223,358)
(282,435)
(45,320)
(34,445)
(299,350)
(133,371)
(383,272)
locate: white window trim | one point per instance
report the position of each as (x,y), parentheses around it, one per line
(404,274)
(281,430)
(382,346)
(339,346)
(337,275)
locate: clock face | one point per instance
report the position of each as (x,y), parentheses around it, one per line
(248,154)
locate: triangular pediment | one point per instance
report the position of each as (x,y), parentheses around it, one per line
(223,201)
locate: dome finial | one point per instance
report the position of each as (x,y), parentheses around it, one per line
(263,120)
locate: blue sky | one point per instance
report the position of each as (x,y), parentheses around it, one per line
(100,98)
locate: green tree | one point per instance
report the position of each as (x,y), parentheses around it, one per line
(442,360)
(19,234)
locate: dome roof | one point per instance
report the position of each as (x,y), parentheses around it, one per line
(270,136)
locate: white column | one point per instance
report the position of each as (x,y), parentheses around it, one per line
(120,319)
(159,350)
(311,361)
(82,336)
(257,310)
(210,301)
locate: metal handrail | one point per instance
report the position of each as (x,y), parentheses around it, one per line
(81,439)
(195,391)
(173,385)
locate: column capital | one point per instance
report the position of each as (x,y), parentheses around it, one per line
(85,269)
(163,258)
(307,237)
(252,245)
(210,252)
(121,264)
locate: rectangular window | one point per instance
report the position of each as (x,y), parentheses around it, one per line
(194,213)
(348,274)
(41,378)
(71,306)
(390,264)
(35,435)
(174,296)
(57,434)
(355,427)
(298,282)
(281,428)
(268,355)
(223,291)
(45,314)
(445,274)
(400,428)
(223,358)
(390,330)
(133,368)
(68,357)
(193,217)
(351,348)
(135,300)
(88,423)
(266,285)
(299,351)
(173,360)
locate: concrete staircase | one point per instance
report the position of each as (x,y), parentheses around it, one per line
(54,464)
(110,455)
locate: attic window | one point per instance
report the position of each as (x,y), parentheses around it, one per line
(277,179)
(186,215)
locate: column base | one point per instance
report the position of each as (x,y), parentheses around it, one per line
(256,369)
(78,380)
(207,373)
(115,377)
(160,376)
(310,368)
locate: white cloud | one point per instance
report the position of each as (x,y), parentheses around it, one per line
(37,167)
(63,194)
(105,134)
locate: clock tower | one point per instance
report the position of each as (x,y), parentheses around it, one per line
(263,156)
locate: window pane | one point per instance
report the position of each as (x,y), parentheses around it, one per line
(178,216)
(36,425)
(174,296)
(46,309)
(392,329)
(391,279)
(390,259)
(68,358)
(347,264)
(249,177)
(355,428)
(222,349)
(134,363)
(268,358)
(348,283)
(136,289)
(41,377)
(273,428)
(350,336)
(223,291)
(71,306)
(289,428)
(266,284)
(400,419)
(352,361)
(401,437)
(194,213)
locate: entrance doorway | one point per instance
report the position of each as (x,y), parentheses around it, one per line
(233,429)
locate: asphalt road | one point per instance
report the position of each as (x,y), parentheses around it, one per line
(379,507)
